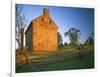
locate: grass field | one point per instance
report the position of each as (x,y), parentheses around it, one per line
(61,60)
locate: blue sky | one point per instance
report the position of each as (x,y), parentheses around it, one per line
(64,17)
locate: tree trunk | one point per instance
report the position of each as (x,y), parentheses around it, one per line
(22,39)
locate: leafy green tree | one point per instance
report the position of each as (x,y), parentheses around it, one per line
(60,40)
(92,35)
(90,39)
(65,44)
(73,35)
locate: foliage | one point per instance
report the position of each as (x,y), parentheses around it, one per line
(65,44)
(60,40)
(73,35)
(90,39)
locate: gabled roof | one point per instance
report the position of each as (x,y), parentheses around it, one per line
(31,23)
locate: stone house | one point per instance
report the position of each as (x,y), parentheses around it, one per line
(41,34)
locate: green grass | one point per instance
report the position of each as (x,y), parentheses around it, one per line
(75,63)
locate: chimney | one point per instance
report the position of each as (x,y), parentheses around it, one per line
(45,11)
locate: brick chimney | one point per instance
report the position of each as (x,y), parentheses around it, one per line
(45,11)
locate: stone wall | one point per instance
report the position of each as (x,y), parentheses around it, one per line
(44,34)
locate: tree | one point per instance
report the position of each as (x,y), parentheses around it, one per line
(90,39)
(65,44)
(92,35)
(20,24)
(60,40)
(73,35)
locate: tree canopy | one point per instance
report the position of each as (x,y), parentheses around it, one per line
(60,40)
(73,35)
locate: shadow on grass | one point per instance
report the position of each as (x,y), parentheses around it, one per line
(74,63)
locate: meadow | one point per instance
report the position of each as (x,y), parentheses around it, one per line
(63,59)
